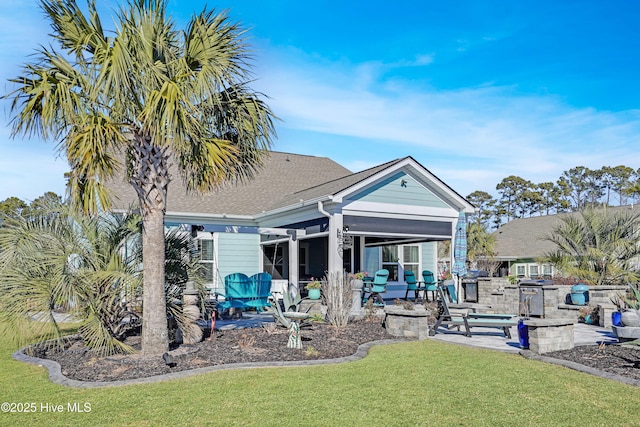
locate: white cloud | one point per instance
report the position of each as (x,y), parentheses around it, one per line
(484,133)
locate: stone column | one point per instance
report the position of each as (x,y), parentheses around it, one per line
(356,300)
(191,332)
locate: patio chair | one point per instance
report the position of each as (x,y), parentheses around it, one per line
(237,292)
(261,284)
(450,290)
(412,284)
(376,287)
(430,285)
(467,319)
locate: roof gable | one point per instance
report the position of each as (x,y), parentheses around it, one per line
(400,188)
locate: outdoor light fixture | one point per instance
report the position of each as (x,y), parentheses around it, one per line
(195,229)
(403,183)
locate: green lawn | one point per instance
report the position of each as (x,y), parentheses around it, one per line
(414,383)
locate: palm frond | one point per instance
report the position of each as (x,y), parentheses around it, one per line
(599,246)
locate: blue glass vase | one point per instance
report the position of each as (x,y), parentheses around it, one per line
(523,334)
(616,318)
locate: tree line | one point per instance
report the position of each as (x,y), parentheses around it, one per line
(576,189)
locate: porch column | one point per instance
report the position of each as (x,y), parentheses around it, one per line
(293,260)
(335,243)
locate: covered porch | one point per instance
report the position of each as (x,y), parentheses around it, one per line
(356,243)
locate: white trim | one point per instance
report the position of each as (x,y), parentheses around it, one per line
(363,208)
(401,236)
(274,241)
(295,206)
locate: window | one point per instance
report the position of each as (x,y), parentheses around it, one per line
(533,271)
(520,270)
(546,271)
(275,260)
(303,259)
(205,250)
(394,258)
(411,259)
(390,261)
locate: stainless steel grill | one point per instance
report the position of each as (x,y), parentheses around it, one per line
(532,297)
(470,286)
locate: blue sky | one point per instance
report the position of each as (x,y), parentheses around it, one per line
(474,90)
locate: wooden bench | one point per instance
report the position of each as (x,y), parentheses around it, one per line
(469,319)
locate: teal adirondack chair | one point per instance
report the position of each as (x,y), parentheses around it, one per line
(376,287)
(430,284)
(451,291)
(237,292)
(261,284)
(412,284)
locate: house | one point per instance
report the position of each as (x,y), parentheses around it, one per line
(521,245)
(303,216)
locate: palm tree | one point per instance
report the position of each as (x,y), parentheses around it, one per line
(481,247)
(600,246)
(58,258)
(88,265)
(153,96)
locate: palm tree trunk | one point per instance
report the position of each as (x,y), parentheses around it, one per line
(155,337)
(150,178)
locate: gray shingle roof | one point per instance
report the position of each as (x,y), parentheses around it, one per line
(525,237)
(283,175)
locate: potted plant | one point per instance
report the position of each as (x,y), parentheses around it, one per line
(313,289)
(579,294)
(523,329)
(356,279)
(631,315)
(616,316)
(588,314)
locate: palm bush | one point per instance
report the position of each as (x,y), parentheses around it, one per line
(599,246)
(87,266)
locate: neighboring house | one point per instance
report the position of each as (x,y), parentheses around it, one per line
(521,246)
(303,216)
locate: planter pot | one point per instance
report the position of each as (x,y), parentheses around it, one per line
(616,318)
(356,284)
(523,334)
(630,318)
(579,294)
(313,293)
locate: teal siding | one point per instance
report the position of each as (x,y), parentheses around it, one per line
(429,258)
(238,253)
(400,189)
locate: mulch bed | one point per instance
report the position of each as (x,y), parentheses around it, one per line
(616,359)
(319,341)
